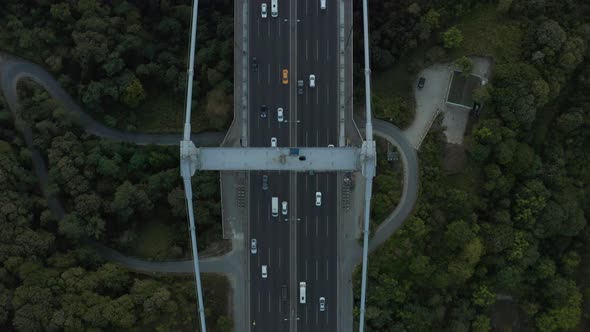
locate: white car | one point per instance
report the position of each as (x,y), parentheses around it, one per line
(318,198)
(284,208)
(263,10)
(273,142)
(274,8)
(264,271)
(280,114)
(253,246)
(322,4)
(330,145)
(312,81)
(322,303)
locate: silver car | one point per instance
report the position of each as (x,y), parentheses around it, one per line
(253,246)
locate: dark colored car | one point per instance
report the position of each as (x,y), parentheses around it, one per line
(300,86)
(254,64)
(263,110)
(265,182)
(421,82)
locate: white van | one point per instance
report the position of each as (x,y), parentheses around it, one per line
(274,8)
(302,292)
(322,4)
(275,206)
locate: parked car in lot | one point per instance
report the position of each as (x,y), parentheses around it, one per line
(253,248)
(421,82)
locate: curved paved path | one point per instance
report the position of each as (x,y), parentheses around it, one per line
(14,69)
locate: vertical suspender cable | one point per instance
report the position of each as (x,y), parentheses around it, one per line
(186,166)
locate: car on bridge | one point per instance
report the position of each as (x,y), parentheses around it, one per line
(263,10)
(265,182)
(300,87)
(253,246)
(263,109)
(280,116)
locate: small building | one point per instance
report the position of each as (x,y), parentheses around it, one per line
(461,89)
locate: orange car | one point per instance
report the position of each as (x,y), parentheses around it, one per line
(285,76)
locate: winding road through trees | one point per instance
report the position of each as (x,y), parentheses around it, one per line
(14,69)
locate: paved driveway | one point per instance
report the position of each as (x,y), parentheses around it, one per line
(429,101)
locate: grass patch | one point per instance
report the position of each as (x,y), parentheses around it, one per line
(488,32)
(154,240)
(157,237)
(161,113)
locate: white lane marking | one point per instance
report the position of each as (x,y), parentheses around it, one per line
(306,49)
(269,306)
(317,49)
(317,225)
(317,98)
(316,270)
(316,315)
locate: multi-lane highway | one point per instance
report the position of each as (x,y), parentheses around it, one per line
(301,245)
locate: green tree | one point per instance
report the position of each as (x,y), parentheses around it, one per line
(483,297)
(132,93)
(464,65)
(452,38)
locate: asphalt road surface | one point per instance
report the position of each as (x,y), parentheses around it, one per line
(299,246)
